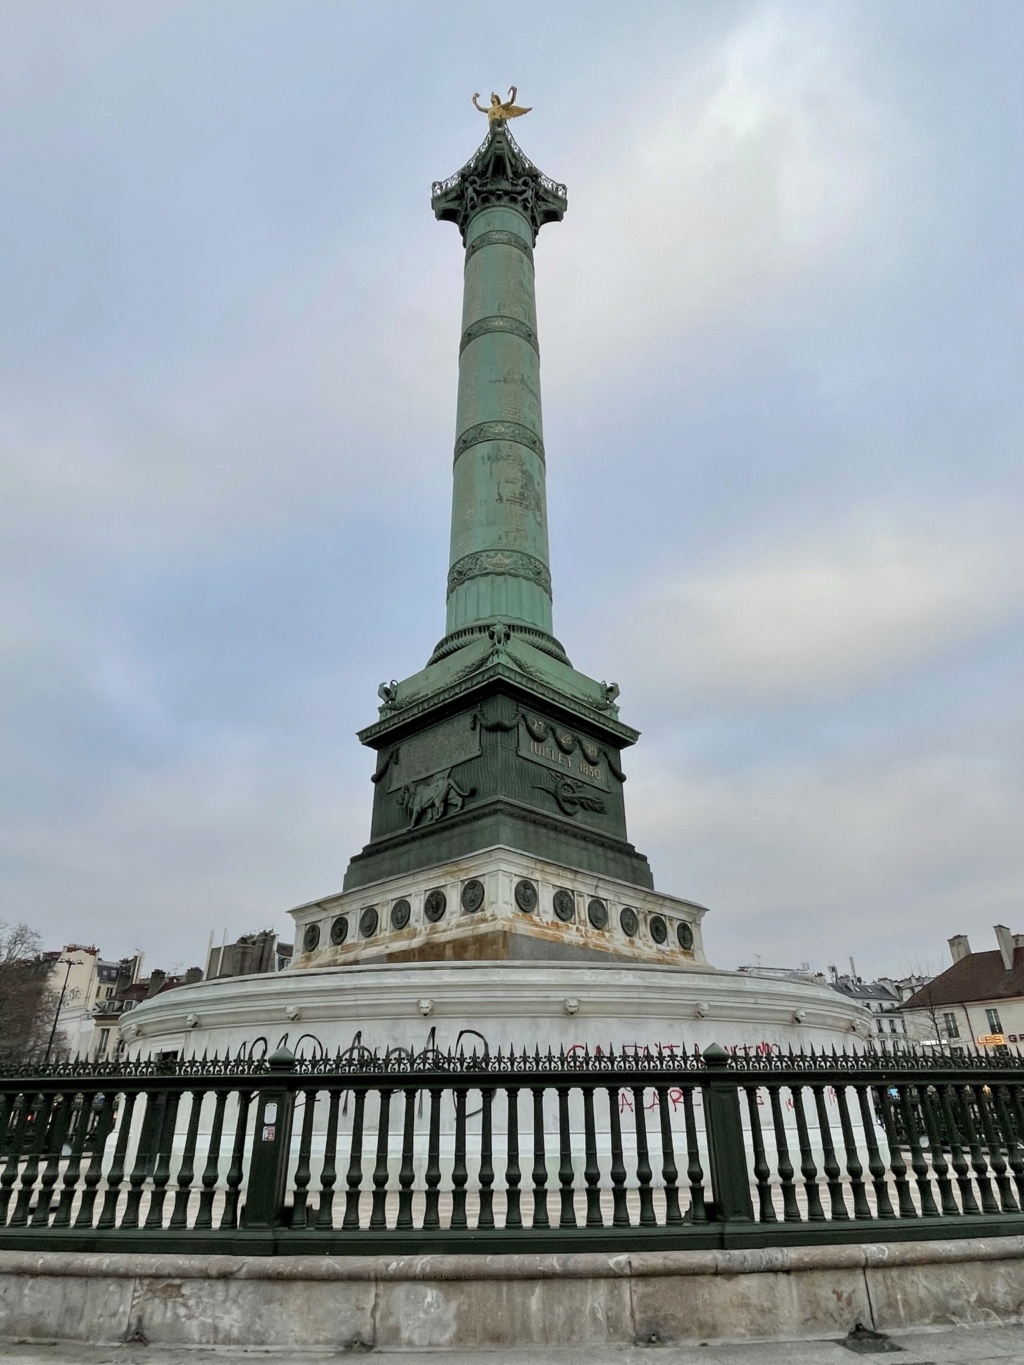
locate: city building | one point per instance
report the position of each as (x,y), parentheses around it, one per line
(86,987)
(892,1028)
(885,997)
(248,955)
(884,1003)
(92,994)
(979,1000)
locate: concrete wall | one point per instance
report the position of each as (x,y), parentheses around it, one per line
(478,1301)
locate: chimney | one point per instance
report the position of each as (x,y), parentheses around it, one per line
(156,980)
(959,947)
(1005,940)
(193,975)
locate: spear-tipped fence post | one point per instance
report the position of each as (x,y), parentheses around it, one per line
(730,1179)
(271,1147)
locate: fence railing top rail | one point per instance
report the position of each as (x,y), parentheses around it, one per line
(433,1065)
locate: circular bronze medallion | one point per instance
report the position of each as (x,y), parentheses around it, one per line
(368,921)
(659,929)
(684,933)
(628,920)
(339,930)
(311,937)
(565,905)
(526,897)
(472,896)
(435,905)
(597,913)
(400,913)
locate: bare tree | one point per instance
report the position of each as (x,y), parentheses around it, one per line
(28,1000)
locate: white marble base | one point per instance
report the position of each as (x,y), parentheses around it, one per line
(493,1005)
(485,1007)
(481,898)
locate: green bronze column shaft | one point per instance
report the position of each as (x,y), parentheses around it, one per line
(499,538)
(499,546)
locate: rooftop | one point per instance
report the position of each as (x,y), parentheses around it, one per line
(994,975)
(865,990)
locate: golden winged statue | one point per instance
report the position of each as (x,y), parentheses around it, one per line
(498,108)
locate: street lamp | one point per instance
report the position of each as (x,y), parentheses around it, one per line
(67,962)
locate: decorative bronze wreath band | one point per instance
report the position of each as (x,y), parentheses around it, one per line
(499,323)
(499,431)
(614,767)
(381,772)
(480,721)
(513,562)
(499,237)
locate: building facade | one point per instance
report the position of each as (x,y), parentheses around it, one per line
(978,1002)
(93,994)
(249,955)
(86,986)
(893,1028)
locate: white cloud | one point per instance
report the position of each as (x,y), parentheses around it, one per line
(253,429)
(764,159)
(825,615)
(226,835)
(882,854)
(755,161)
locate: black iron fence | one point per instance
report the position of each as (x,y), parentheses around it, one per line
(365,1153)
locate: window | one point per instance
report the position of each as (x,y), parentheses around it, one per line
(109,993)
(994,1026)
(950,1025)
(104,1040)
(892,1025)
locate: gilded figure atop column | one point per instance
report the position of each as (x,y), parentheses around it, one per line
(499,108)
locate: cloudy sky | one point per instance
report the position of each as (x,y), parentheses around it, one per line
(780,328)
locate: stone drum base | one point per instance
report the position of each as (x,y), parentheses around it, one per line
(515,1300)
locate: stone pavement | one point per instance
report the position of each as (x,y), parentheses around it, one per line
(940,1346)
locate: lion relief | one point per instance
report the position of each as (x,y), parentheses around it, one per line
(432,798)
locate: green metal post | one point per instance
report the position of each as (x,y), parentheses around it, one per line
(730,1179)
(271,1147)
